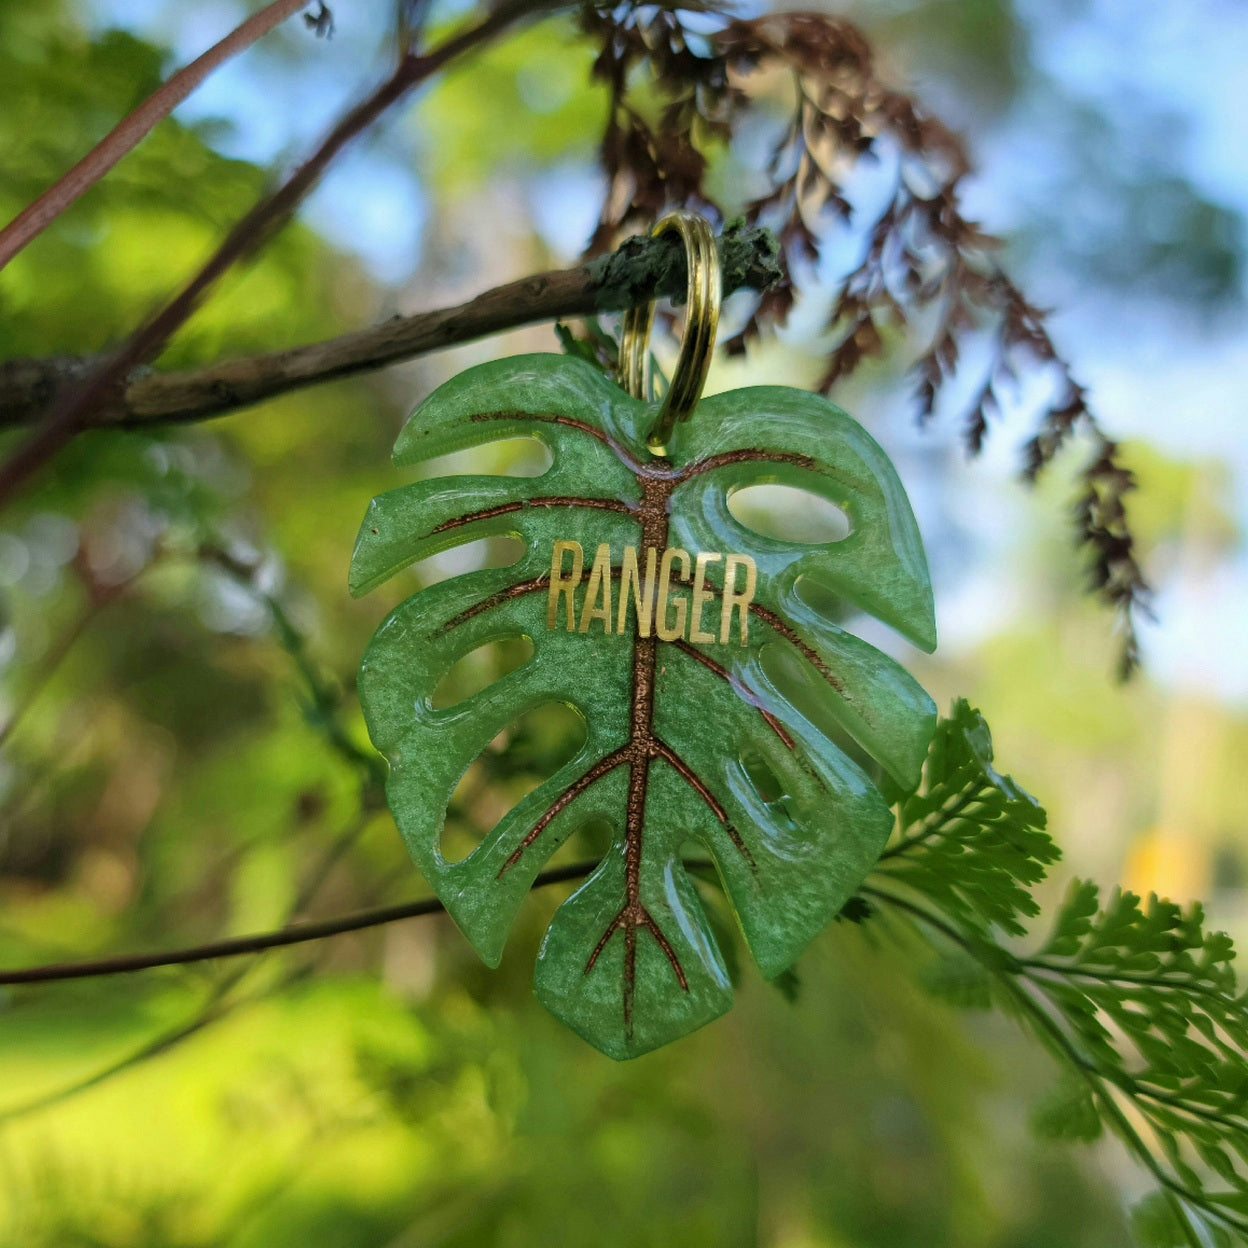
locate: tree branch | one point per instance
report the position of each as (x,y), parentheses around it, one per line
(131,130)
(297,934)
(641,269)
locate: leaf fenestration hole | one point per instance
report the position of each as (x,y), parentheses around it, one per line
(694,851)
(508,457)
(764,781)
(810,694)
(591,842)
(530,750)
(771,790)
(480,668)
(787,513)
(485,552)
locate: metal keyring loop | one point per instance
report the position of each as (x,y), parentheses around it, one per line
(694,360)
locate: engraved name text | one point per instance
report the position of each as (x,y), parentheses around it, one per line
(653,596)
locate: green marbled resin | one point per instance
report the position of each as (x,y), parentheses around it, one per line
(629,960)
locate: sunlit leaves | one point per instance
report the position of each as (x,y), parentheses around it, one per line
(522,103)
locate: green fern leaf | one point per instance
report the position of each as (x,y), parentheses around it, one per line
(971,840)
(1070,1113)
(1135,999)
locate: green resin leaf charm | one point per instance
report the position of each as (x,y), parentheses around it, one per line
(722,704)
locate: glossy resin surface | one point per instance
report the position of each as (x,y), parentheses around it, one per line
(758,749)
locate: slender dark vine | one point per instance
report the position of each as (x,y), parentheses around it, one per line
(238,946)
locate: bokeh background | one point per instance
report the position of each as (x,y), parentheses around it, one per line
(185,758)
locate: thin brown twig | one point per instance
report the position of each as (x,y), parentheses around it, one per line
(296,934)
(76,412)
(218,1004)
(131,130)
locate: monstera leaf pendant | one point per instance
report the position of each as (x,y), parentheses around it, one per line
(700,654)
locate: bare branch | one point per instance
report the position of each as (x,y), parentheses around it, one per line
(642,268)
(296,934)
(132,130)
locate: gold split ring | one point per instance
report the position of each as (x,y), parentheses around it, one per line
(702,322)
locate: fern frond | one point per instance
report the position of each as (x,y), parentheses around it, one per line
(971,840)
(1135,999)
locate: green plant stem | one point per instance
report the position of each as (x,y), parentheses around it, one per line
(1118,977)
(937,821)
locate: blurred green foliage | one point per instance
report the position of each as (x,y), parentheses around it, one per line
(121,248)
(187,760)
(522,105)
